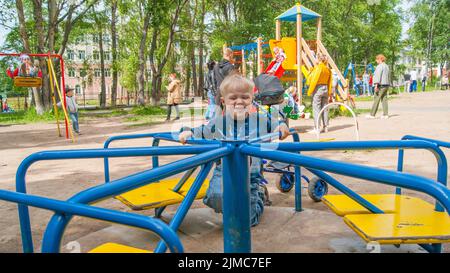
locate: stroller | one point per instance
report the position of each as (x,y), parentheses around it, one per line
(271,93)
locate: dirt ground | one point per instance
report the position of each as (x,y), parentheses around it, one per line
(422,114)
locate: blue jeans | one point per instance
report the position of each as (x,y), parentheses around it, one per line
(211,106)
(413,86)
(213,198)
(366,89)
(74,119)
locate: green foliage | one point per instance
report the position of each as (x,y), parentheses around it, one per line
(29,116)
(429,33)
(148,110)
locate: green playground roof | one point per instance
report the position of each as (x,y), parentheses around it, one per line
(291,14)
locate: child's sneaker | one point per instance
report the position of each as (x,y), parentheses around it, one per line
(370,117)
(384,117)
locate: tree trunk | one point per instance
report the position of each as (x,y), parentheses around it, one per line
(157,69)
(26,43)
(102,67)
(200,51)
(194,71)
(156,86)
(39,27)
(22,26)
(114,53)
(187,82)
(142,59)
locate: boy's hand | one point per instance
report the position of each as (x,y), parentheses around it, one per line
(184,136)
(284,129)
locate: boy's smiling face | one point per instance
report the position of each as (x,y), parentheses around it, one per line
(238,102)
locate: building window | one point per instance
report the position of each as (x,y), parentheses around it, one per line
(108,72)
(97,73)
(95,38)
(106,55)
(81,54)
(96,55)
(106,38)
(71,72)
(83,73)
(80,39)
(70,55)
(77,89)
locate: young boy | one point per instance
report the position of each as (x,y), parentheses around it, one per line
(72,109)
(238,122)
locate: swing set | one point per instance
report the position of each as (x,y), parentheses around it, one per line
(35,81)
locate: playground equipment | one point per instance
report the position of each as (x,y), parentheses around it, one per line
(242,54)
(301,54)
(352,68)
(37,82)
(27,81)
(386,219)
(322,111)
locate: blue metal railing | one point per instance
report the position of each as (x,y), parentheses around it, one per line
(140,221)
(88,153)
(58,222)
(173,137)
(360,145)
(168,136)
(401,153)
(413,182)
(236,212)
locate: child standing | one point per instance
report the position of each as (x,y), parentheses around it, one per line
(72,109)
(238,122)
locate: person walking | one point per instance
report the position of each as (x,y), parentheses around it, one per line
(424,81)
(173,96)
(320,87)
(413,87)
(366,87)
(407,81)
(381,82)
(211,90)
(221,70)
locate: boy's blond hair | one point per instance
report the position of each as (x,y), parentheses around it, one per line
(227,52)
(381,57)
(236,81)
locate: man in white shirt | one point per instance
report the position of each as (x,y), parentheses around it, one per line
(381,81)
(413,87)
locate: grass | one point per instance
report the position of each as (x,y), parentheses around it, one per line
(109,114)
(30,116)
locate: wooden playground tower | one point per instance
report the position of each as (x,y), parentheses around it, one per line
(305,52)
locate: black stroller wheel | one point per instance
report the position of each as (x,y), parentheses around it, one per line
(285,182)
(317,188)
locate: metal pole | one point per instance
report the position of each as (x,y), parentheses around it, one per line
(236,201)
(299,55)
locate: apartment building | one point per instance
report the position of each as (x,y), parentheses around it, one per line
(82,71)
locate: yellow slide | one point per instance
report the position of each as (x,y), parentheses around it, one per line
(289,46)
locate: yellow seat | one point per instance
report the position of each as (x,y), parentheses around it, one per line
(117,248)
(159,194)
(389,203)
(27,81)
(402,227)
